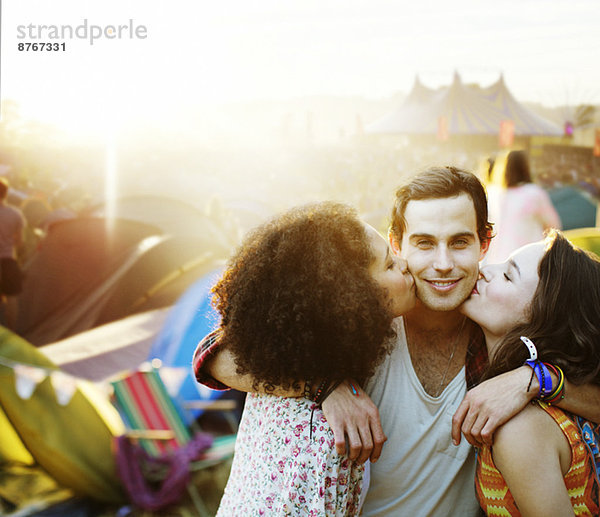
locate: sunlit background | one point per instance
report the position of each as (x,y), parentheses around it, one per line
(244,108)
(259,99)
(139,164)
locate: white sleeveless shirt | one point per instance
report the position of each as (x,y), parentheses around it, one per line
(420,471)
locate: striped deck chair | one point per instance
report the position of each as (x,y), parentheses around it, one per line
(156,426)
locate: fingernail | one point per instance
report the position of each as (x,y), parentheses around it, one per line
(454,442)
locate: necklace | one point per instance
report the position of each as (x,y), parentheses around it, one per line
(441,387)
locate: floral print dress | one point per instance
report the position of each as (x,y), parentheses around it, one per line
(280,470)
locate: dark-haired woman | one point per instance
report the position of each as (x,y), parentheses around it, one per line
(305,303)
(521,210)
(540,463)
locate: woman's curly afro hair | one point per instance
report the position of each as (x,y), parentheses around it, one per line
(297,301)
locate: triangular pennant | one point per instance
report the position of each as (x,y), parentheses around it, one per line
(27,378)
(205,392)
(64,386)
(173,378)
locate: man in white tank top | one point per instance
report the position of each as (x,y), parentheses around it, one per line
(421,385)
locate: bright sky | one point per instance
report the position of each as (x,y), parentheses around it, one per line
(210,52)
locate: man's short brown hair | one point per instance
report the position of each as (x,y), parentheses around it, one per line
(437,183)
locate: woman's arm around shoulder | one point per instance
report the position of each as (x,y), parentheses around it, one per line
(487,406)
(532,453)
(215,366)
(581,400)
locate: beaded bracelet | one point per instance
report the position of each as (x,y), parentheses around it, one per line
(307,390)
(318,396)
(323,391)
(330,389)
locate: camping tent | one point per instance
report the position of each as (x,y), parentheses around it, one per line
(170,216)
(53,422)
(576,208)
(190,319)
(170,334)
(107,350)
(88,272)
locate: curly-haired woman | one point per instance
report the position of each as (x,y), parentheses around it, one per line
(305,303)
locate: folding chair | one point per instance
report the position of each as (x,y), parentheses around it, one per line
(167,448)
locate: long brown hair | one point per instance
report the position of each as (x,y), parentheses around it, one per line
(564,315)
(517,169)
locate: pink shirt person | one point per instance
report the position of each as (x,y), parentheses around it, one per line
(521,213)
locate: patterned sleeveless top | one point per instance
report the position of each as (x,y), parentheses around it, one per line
(581,480)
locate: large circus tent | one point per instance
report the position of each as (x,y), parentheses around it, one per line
(462,109)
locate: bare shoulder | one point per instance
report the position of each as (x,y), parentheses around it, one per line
(533,455)
(530,432)
(531,423)
(532,419)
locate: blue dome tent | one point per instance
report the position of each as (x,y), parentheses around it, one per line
(190,319)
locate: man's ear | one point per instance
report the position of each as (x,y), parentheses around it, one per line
(485,246)
(394,244)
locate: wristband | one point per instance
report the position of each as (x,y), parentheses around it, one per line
(531,347)
(543,376)
(540,369)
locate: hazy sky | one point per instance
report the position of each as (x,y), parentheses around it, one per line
(200,52)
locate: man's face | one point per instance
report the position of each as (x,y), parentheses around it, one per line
(442,249)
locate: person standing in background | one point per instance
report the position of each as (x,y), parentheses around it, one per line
(12,224)
(521,211)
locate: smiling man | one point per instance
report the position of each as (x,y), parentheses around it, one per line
(439,225)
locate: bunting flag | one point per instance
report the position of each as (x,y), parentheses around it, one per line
(64,386)
(28,377)
(173,377)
